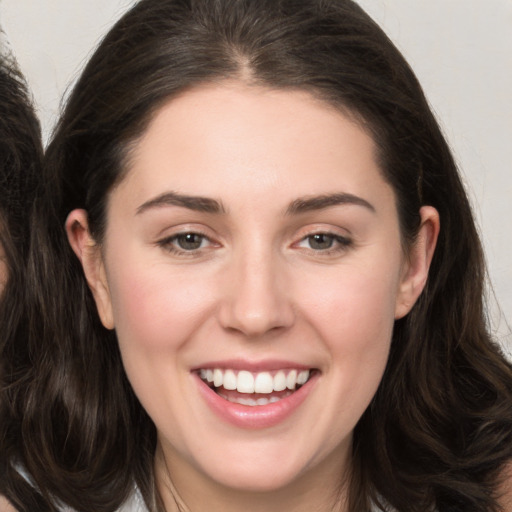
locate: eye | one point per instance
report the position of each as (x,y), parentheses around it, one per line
(320,241)
(324,242)
(187,242)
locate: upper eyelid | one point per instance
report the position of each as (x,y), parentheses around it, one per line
(174,236)
(315,229)
(171,232)
(335,236)
(170,245)
(183,229)
(337,232)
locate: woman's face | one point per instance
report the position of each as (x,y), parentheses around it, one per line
(253,242)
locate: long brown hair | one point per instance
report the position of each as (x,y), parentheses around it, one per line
(439,429)
(21,155)
(20,162)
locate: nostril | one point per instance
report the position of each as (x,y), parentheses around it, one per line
(255,321)
(255,301)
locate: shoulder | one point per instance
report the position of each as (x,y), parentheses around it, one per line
(134,504)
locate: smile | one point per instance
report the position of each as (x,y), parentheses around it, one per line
(231,384)
(255,398)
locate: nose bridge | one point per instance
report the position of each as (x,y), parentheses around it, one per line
(257,301)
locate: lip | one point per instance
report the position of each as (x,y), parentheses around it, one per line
(258,417)
(252,366)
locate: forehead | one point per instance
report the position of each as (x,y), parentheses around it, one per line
(253,138)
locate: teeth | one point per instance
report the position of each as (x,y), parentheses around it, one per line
(230,380)
(280,381)
(251,401)
(218,377)
(291,379)
(262,382)
(303,377)
(245,382)
(247,401)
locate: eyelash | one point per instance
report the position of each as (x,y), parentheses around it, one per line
(170,243)
(339,244)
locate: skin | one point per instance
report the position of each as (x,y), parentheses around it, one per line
(505,488)
(258,288)
(5,506)
(3,274)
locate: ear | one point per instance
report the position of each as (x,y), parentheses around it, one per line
(417,264)
(89,254)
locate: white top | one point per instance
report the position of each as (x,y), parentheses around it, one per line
(135,503)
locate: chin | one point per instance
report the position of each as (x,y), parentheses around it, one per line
(258,481)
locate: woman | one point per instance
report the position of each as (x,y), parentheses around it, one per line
(20,163)
(271,298)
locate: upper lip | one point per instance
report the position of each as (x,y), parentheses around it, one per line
(252,366)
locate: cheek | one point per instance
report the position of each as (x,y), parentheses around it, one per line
(353,305)
(156,313)
(154,308)
(353,312)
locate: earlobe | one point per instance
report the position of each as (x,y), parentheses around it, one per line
(415,274)
(89,254)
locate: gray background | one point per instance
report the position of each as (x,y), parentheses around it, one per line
(461,51)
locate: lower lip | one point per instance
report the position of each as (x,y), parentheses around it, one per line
(259,416)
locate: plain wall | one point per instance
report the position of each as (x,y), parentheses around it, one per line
(461,51)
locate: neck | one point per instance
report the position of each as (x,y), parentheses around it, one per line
(184,489)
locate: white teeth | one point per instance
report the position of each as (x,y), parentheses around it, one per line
(230,380)
(251,402)
(218,377)
(247,401)
(280,381)
(245,382)
(262,382)
(291,379)
(303,377)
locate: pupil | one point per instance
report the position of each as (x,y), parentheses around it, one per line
(321,241)
(190,241)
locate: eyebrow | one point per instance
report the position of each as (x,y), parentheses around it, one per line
(196,203)
(208,205)
(307,204)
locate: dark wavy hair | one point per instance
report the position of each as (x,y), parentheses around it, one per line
(21,155)
(438,432)
(20,170)
(20,164)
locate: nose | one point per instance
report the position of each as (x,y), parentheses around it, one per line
(257,299)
